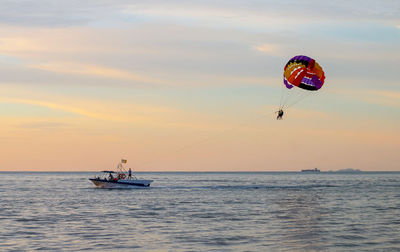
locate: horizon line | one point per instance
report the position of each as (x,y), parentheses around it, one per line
(330,171)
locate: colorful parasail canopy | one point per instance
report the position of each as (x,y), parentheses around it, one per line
(303,72)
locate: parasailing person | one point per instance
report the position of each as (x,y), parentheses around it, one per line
(280,114)
(305,74)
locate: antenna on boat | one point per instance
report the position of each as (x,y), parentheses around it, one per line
(120,167)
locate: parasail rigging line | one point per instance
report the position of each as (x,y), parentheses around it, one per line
(299,99)
(202,141)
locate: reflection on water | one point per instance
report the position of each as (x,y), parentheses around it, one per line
(202,212)
(301,214)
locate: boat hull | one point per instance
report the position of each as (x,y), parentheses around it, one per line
(122,183)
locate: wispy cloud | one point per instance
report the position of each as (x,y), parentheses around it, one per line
(128,113)
(240,14)
(21,44)
(385,98)
(270,49)
(63,107)
(45,42)
(73,13)
(50,14)
(94,70)
(215,15)
(43,125)
(372,96)
(187,80)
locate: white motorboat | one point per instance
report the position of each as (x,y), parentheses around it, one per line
(119,178)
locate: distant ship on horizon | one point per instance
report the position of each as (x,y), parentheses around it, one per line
(311,170)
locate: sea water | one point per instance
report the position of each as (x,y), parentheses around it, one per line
(202,212)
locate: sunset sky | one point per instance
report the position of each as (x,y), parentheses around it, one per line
(193,85)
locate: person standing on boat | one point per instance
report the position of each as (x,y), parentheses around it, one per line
(130,173)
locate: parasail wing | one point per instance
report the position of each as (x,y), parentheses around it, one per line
(303,72)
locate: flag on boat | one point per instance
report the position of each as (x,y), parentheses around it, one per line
(123,161)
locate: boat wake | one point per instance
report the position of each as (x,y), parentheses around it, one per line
(248,187)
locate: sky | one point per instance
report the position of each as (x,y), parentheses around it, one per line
(193,85)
